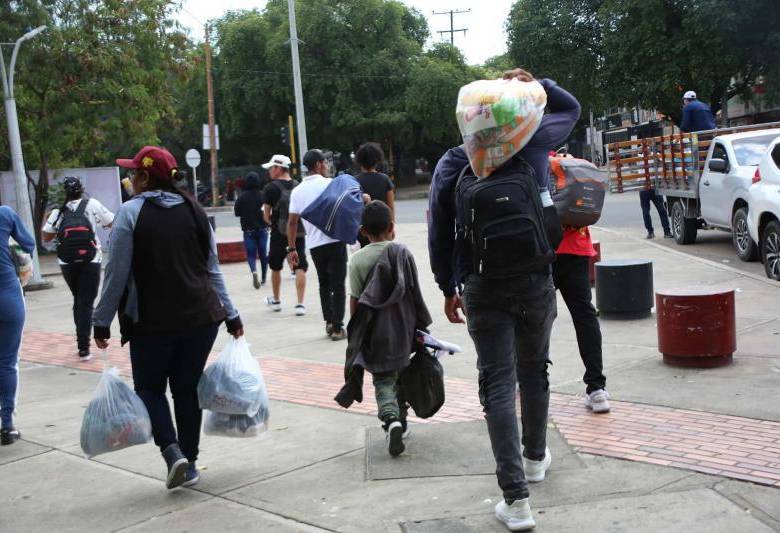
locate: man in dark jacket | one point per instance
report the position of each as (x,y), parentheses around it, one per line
(509,319)
(697,116)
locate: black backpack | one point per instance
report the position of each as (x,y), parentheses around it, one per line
(283,208)
(75,237)
(500,222)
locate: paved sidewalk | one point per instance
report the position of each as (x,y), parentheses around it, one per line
(672,455)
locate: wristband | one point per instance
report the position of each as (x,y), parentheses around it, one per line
(291,249)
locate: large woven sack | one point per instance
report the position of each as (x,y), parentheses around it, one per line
(497,118)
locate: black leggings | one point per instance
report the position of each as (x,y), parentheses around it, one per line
(180,359)
(83,280)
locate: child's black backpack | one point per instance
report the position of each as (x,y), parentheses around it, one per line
(500,222)
(75,237)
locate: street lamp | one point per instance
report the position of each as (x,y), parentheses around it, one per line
(15,144)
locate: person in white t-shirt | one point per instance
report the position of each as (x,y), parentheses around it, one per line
(329,255)
(79,253)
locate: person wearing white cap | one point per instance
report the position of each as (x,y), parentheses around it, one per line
(275,211)
(697,116)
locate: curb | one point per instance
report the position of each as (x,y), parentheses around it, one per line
(702,260)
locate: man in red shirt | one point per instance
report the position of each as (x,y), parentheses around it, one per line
(570,273)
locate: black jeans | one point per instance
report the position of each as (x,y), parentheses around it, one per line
(645,197)
(510,321)
(570,273)
(180,359)
(83,280)
(330,260)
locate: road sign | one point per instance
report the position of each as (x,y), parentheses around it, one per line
(206,139)
(192,157)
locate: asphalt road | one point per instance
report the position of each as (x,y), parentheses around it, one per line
(621,212)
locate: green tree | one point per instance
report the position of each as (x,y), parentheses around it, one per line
(561,40)
(96,83)
(654,50)
(355,60)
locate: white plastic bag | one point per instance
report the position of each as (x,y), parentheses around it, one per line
(497,118)
(233,384)
(115,418)
(239,426)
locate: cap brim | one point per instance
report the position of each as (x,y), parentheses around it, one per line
(267,165)
(126,163)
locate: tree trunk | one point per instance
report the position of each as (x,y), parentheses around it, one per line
(41,199)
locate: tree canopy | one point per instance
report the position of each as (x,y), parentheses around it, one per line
(624,52)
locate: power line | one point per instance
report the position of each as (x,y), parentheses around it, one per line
(452,31)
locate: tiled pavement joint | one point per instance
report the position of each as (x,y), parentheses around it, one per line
(731,446)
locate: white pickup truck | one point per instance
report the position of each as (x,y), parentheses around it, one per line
(704,178)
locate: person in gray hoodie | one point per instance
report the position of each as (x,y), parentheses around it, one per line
(163,278)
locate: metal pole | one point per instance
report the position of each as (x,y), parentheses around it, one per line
(592,139)
(303,144)
(23,207)
(212,133)
(292,139)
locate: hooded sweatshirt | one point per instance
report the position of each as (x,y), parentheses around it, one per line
(249,205)
(162,274)
(449,268)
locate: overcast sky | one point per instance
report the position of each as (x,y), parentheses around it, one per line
(485,37)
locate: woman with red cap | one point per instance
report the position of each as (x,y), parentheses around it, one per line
(163,278)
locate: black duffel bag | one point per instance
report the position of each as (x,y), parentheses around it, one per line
(422,384)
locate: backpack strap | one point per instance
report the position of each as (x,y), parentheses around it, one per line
(462,174)
(82,206)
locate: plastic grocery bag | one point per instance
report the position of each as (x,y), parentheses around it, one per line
(240,426)
(497,118)
(115,418)
(233,384)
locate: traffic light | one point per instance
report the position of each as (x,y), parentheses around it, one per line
(285,131)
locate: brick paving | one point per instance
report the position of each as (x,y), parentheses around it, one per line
(731,446)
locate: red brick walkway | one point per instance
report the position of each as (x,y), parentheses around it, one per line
(731,446)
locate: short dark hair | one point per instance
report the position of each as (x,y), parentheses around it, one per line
(369,155)
(377,218)
(312,157)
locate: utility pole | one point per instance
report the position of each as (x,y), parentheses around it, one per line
(17,157)
(212,133)
(452,31)
(303,144)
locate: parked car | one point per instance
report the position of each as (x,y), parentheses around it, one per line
(764,215)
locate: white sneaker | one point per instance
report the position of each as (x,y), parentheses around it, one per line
(300,310)
(598,401)
(536,470)
(275,305)
(516,517)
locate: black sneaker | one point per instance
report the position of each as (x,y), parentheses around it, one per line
(84,354)
(338,334)
(177,466)
(9,436)
(650,235)
(668,235)
(192,475)
(329,329)
(395,438)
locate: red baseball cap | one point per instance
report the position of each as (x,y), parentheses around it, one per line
(157,161)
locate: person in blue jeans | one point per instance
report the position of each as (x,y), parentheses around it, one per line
(646,197)
(509,320)
(249,207)
(11,319)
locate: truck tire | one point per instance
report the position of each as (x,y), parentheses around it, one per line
(770,250)
(683,228)
(744,245)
